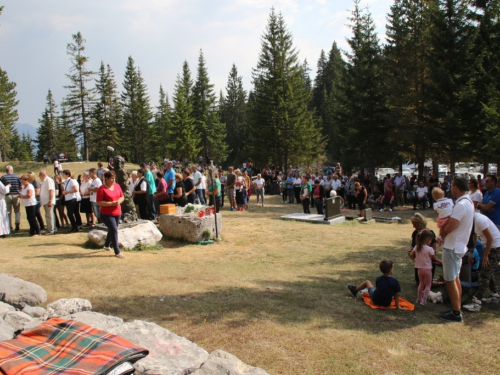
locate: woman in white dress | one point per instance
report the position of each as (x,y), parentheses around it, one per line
(4,218)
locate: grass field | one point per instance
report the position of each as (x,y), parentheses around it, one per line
(272,293)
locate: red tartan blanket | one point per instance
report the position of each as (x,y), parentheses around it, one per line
(68,347)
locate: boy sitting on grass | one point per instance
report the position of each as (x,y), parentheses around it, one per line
(386,286)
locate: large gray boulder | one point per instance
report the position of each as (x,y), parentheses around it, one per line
(97,320)
(222,363)
(6,331)
(16,292)
(129,235)
(67,306)
(169,354)
(188,228)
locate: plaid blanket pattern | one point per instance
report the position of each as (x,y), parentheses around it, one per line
(68,347)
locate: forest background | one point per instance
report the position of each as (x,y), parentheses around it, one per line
(431,90)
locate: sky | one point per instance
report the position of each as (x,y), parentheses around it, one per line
(159,35)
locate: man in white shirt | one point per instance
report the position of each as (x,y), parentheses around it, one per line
(400,183)
(336,183)
(94,186)
(420,196)
(457,234)
(48,200)
(197,183)
(490,235)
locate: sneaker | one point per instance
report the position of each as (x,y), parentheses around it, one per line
(242,208)
(381,210)
(352,288)
(17,227)
(238,209)
(390,209)
(472,307)
(107,248)
(476,301)
(120,255)
(451,317)
(49,233)
(494,295)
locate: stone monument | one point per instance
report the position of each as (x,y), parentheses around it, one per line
(128,208)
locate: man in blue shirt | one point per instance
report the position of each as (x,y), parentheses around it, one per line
(490,205)
(169,177)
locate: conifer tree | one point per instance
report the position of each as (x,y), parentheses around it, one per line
(449,93)
(205,112)
(66,140)
(79,100)
(407,70)
(161,126)
(47,138)
(183,138)
(364,128)
(106,115)
(137,114)
(282,126)
(486,16)
(235,117)
(8,113)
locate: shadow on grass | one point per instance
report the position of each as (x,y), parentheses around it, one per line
(61,256)
(324,303)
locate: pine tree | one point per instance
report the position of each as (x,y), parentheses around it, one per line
(137,114)
(161,126)
(8,113)
(207,120)
(80,98)
(449,92)
(66,140)
(407,70)
(47,136)
(486,48)
(235,117)
(364,129)
(282,127)
(106,115)
(183,137)
(327,95)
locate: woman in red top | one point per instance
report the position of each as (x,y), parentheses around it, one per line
(109,198)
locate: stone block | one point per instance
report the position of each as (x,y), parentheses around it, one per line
(97,320)
(4,307)
(34,312)
(17,292)
(130,234)
(188,228)
(17,319)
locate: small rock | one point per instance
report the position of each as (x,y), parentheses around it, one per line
(32,324)
(220,362)
(169,354)
(34,312)
(16,291)
(6,331)
(67,306)
(17,319)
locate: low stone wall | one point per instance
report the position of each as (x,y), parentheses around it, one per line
(169,354)
(188,228)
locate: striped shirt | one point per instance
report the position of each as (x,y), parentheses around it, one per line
(14,181)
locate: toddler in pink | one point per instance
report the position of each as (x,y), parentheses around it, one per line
(423,255)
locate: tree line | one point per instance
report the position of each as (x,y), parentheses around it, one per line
(432,90)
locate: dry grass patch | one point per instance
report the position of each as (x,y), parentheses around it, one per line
(273,293)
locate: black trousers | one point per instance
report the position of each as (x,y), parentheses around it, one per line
(72,209)
(296,190)
(305,205)
(31,216)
